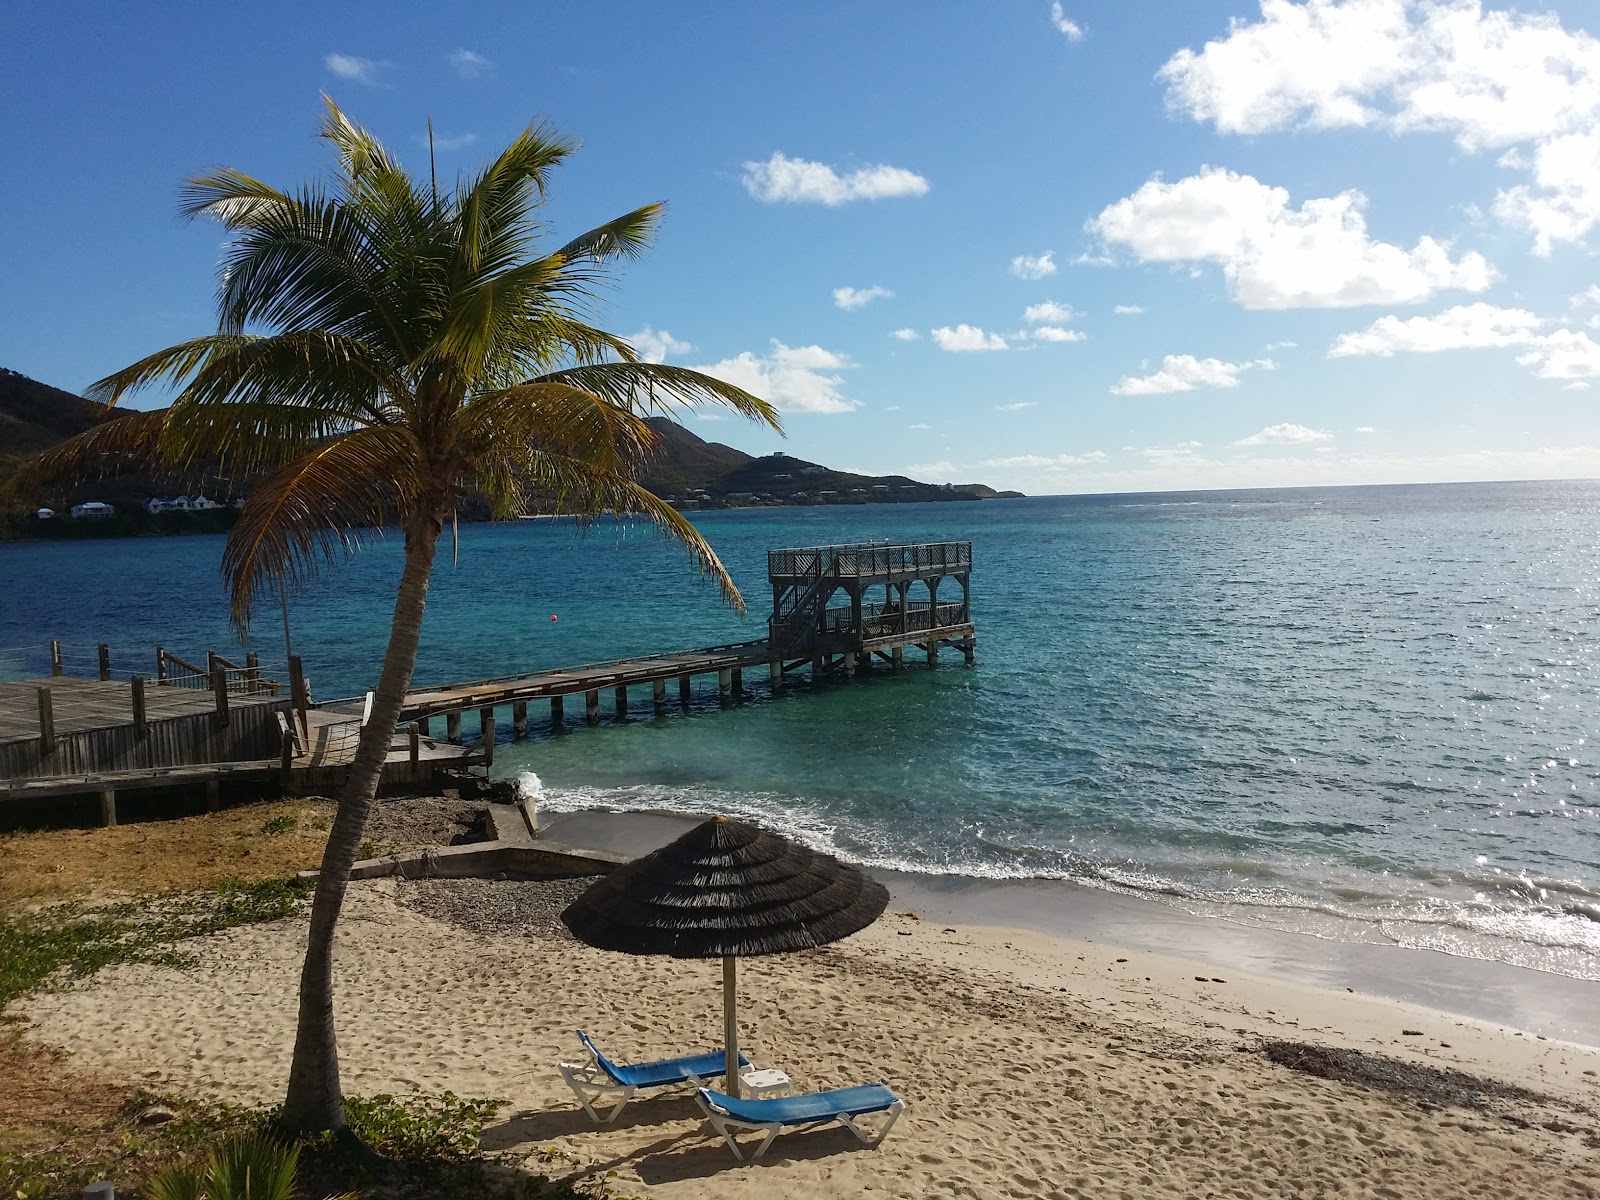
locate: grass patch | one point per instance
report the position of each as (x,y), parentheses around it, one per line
(70,941)
(282,823)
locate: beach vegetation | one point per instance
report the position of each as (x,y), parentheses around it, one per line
(60,943)
(387,349)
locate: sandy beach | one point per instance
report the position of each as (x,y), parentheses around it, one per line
(1031,1065)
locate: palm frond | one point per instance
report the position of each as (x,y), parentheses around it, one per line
(493,208)
(557,418)
(172,365)
(230,196)
(311,511)
(627,236)
(657,387)
(129,441)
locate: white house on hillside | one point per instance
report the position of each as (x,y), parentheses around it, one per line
(93,508)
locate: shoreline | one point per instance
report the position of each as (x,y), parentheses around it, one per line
(1513,998)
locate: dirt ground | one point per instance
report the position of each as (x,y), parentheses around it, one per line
(268,840)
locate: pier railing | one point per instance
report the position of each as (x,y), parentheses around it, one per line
(869,560)
(881,620)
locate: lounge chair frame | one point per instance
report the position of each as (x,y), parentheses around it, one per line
(599,1081)
(726,1124)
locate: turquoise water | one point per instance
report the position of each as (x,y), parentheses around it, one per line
(1361,712)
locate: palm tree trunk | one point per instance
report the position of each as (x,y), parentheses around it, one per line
(315,1101)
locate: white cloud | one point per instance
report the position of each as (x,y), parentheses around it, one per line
(892,408)
(920,425)
(653,345)
(1465,327)
(1048,310)
(1034,266)
(967,337)
(1047,461)
(1589,297)
(849,297)
(1055,333)
(470,65)
(1271,346)
(1490,79)
(1017,407)
(941,470)
(1562,354)
(459,142)
(1286,434)
(1565,354)
(798,181)
(1065,26)
(1182,373)
(357,70)
(795,379)
(907,335)
(1127,310)
(1275,256)
(1365,429)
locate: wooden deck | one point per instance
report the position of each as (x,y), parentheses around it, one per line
(81,705)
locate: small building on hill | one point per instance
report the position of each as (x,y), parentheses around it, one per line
(93,508)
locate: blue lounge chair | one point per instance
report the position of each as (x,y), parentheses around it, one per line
(600,1078)
(771,1117)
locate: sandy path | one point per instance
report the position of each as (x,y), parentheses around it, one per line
(1030,1066)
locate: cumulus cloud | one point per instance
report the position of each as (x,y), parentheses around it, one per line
(795,379)
(1286,434)
(967,337)
(1127,310)
(907,335)
(782,179)
(1465,327)
(849,297)
(357,70)
(1034,266)
(1064,25)
(1489,79)
(1274,256)
(470,65)
(459,141)
(1182,373)
(1048,310)
(1561,354)
(653,345)
(1017,407)
(1055,333)
(1365,429)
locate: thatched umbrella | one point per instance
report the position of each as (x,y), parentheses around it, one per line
(726,890)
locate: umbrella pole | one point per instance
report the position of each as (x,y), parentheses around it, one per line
(730,1023)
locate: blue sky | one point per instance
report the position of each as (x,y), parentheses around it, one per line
(1075,247)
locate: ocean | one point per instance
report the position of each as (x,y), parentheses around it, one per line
(1359,713)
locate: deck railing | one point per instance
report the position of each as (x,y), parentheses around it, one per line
(869,559)
(880,620)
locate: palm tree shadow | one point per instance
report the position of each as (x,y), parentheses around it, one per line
(521,1128)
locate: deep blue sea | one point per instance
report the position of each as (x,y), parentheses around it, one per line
(1357,712)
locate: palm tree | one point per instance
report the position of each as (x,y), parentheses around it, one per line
(382,352)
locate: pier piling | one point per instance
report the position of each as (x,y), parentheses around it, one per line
(658,694)
(519,720)
(558,710)
(487,728)
(685,689)
(724,683)
(108,807)
(591,706)
(47,724)
(620,698)
(452,727)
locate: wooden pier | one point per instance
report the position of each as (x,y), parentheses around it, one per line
(835,610)
(808,629)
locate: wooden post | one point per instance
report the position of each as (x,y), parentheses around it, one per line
(219,692)
(252,671)
(452,727)
(818,667)
(422,725)
(486,726)
(300,694)
(104,652)
(47,724)
(738,681)
(56,667)
(558,710)
(724,683)
(775,673)
(685,688)
(141,728)
(969,649)
(933,654)
(108,807)
(730,1025)
(286,751)
(161,665)
(620,694)
(849,662)
(414,742)
(519,719)
(213,795)
(591,706)
(897,656)
(658,694)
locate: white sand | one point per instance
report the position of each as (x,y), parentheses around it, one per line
(1031,1066)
